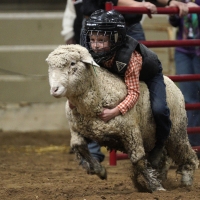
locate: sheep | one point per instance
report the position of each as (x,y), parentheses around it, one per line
(73,74)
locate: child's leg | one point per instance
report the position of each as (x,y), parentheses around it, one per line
(161,115)
(159,107)
(95,151)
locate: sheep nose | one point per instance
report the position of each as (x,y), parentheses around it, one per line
(54,90)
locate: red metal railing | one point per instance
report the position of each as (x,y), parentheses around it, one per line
(142,10)
(162,43)
(171,43)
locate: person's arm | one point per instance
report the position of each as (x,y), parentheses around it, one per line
(183,8)
(68,22)
(132,83)
(192,4)
(174,20)
(133,3)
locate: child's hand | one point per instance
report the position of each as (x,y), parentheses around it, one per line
(108,114)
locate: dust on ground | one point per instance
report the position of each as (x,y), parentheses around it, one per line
(38,166)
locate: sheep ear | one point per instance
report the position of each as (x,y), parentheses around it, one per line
(89,60)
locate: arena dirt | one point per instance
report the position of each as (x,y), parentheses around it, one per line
(38,166)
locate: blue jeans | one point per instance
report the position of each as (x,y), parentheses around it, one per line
(95,151)
(190,64)
(159,108)
(135,31)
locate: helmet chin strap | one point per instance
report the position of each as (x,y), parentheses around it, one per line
(116,37)
(101,60)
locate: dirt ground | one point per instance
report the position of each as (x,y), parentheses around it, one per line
(38,166)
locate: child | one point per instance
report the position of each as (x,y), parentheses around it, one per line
(105,37)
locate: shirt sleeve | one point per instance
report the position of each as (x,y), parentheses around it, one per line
(68,21)
(132,82)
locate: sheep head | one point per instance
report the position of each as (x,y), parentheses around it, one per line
(68,70)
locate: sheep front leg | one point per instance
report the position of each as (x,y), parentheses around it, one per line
(91,165)
(143,177)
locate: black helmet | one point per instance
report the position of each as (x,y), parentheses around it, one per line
(109,23)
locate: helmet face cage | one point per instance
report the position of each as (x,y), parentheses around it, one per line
(103,25)
(106,39)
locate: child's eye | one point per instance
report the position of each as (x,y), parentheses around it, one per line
(91,40)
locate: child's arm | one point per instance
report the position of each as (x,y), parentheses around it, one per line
(132,82)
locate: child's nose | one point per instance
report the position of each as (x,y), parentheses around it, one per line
(96,44)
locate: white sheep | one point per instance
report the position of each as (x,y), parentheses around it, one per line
(74,74)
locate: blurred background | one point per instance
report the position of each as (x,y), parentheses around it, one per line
(30,30)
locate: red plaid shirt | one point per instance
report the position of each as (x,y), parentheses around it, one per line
(132,82)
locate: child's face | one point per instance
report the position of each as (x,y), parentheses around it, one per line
(99,42)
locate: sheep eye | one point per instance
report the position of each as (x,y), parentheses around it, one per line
(73,63)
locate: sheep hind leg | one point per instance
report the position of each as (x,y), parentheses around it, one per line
(145,178)
(187,173)
(91,165)
(188,163)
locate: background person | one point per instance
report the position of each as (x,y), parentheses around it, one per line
(72,22)
(187,61)
(134,27)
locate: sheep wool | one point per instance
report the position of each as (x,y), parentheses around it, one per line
(73,74)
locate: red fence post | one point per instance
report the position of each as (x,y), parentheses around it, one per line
(113,158)
(109,6)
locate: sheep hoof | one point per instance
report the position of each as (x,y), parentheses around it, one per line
(148,183)
(160,188)
(187,178)
(102,174)
(146,178)
(99,170)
